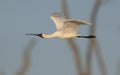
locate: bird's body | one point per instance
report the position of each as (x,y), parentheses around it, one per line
(65,28)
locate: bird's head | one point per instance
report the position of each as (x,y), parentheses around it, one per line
(39,35)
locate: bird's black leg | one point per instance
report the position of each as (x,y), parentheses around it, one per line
(90,36)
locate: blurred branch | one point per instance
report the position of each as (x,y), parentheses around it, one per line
(65,9)
(89,58)
(118,67)
(26,57)
(94,16)
(71,42)
(94,44)
(100,59)
(105,1)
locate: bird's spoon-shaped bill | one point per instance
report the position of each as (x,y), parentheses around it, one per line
(40,35)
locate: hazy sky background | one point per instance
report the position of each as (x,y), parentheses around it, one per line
(53,56)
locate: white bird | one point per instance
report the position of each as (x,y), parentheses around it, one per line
(65,28)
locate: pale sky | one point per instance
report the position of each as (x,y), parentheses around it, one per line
(53,56)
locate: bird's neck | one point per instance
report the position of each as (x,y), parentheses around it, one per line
(47,36)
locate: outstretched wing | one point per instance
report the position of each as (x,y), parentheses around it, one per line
(72,25)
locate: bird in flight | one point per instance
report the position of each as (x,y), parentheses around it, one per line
(65,28)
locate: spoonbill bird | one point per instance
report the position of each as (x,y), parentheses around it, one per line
(65,28)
